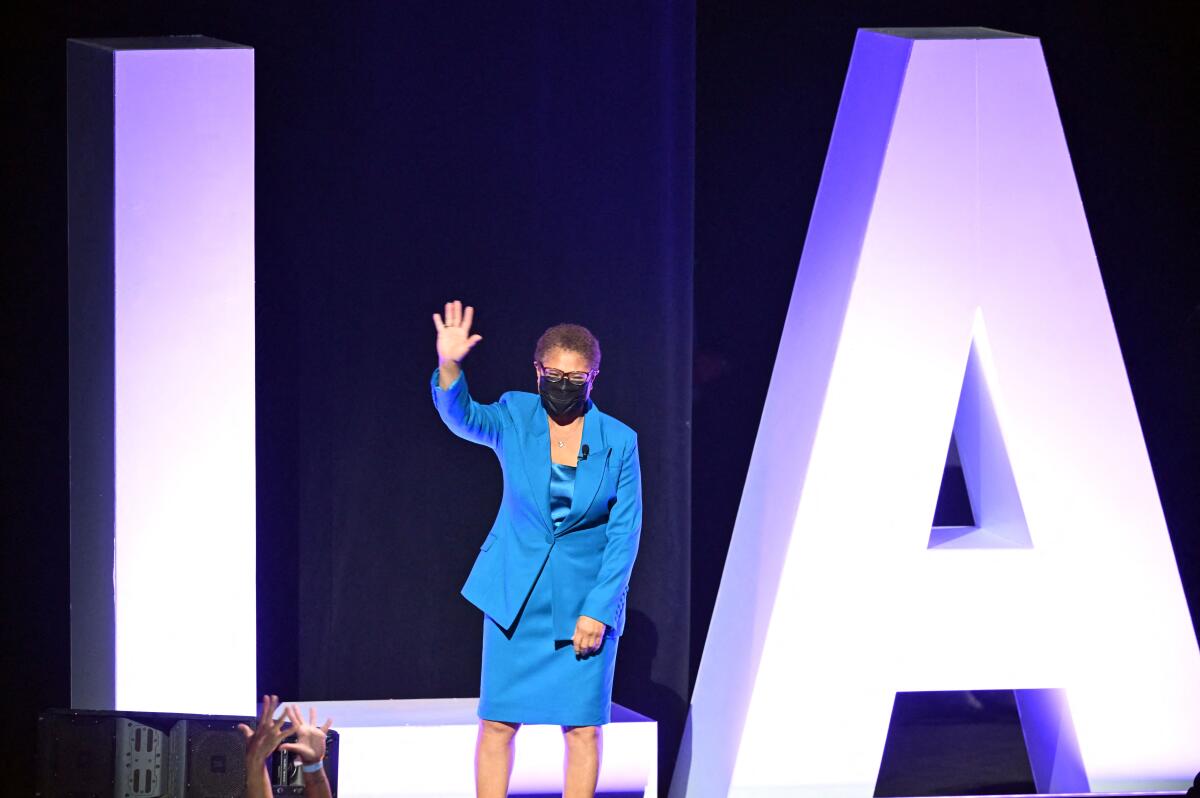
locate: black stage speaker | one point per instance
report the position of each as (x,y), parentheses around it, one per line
(91,754)
(207,759)
(77,759)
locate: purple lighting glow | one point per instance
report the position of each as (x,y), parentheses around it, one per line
(184,310)
(180,406)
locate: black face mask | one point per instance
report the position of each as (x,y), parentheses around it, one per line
(563,398)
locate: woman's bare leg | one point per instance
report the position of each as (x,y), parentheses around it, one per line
(494,758)
(584,746)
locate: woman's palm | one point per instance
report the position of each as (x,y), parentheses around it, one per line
(454,339)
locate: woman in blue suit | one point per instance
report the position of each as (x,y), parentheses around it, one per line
(552,574)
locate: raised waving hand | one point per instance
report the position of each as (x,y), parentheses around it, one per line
(454,339)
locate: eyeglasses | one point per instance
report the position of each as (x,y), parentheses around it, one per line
(573,377)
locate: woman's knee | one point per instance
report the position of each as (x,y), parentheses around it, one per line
(497,732)
(581,735)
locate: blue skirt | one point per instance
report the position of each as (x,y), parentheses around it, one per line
(529,677)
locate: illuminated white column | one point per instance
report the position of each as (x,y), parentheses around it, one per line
(161,267)
(948,267)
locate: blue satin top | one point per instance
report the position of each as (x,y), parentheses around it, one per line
(562,487)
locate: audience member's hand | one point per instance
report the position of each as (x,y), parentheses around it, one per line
(262,741)
(310,738)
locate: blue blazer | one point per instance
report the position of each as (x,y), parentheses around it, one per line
(590,556)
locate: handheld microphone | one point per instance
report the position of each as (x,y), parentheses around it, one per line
(583,452)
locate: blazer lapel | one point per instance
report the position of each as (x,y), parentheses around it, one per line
(588,473)
(537,463)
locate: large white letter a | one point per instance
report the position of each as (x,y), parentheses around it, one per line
(948,283)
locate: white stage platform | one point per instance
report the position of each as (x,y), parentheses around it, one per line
(425,748)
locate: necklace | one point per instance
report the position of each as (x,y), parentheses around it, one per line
(561,442)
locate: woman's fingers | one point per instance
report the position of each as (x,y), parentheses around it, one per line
(246,731)
(474,339)
(586,643)
(455,315)
(589,636)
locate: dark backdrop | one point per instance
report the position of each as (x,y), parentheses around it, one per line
(411,152)
(535,161)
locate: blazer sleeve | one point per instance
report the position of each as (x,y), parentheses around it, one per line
(465,417)
(624,533)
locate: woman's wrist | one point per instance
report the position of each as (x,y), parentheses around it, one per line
(448,371)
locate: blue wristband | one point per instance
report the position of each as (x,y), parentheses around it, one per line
(314,767)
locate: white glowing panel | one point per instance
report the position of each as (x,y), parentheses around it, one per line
(183,390)
(425,749)
(948,254)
